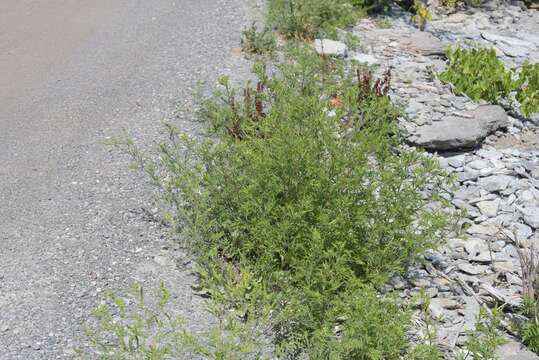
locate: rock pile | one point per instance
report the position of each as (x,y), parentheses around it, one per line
(498,186)
(499,190)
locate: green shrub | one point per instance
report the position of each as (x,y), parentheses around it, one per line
(478,73)
(306,19)
(303,182)
(528,89)
(258,42)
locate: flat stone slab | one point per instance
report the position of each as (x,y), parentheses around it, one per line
(515,351)
(531,216)
(455,132)
(420,42)
(426,44)
(330,47)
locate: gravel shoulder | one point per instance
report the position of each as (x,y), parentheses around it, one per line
(74,220)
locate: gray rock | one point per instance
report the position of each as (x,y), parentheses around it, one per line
(487,197)
(457,244)
(513,51)
(472,269)
(470,312)
(456,161)
(531,216)
(478,164)
(477,250)
(460,204)
(414,107)
(438,306)
(513,279)
(507,40)
(425,43)
(481,229)
(527,197)
(511,251)
(489,208)
(495,183)
(468,175)
(515,351)
(489,154)
(366,58)
(420,282)
(504,266)
(507,296)
(523,231)
(454,132)
(466,193)
(472,246)
(497,246)
(330,47)
(397,282)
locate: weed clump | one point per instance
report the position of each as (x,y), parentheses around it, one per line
(304,186)
(258,42)
(306,19)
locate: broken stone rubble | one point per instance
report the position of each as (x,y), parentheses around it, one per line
(498,187)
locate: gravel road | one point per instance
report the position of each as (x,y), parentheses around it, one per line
(74,220)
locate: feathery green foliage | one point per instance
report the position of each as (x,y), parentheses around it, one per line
(528,89)
(306,19)
(305,185)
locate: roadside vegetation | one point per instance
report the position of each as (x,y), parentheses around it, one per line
(300,204)
(258,42)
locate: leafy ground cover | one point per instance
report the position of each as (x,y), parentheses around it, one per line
(478,73)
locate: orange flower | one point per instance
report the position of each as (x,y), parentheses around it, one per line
(336,102)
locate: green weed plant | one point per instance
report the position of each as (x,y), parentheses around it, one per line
(304,183)
(258,42)
(527,89)
(307,19)
(479,74)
